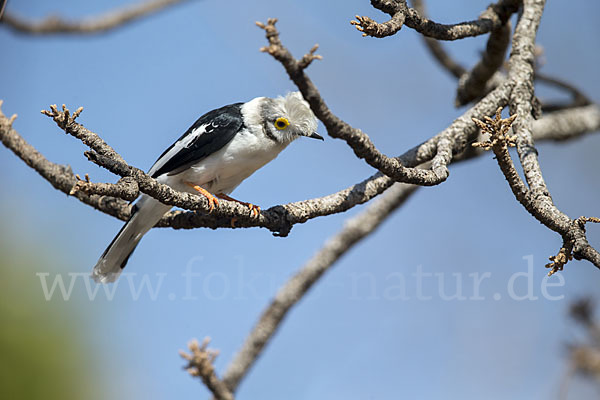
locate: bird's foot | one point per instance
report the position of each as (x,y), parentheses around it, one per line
(254,209)
(212,200)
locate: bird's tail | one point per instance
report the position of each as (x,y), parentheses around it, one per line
(145,214)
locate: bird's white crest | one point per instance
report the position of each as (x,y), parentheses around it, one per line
(293,107)
(299,112)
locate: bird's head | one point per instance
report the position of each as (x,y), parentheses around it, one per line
(287,118)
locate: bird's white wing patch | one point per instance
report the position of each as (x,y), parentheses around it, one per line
(182,143)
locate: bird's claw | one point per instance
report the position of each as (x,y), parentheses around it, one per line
(212,200)
(254,210)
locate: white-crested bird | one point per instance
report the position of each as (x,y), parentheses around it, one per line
(221,149)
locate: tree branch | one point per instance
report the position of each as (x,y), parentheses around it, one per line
(100,24)
(279,219)
(360,142)
(563,125)
(473,84)
(567,124)
(355,229)
(126,188)
(574,233)
(436,49)
(492,18)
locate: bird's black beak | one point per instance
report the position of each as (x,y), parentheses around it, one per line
(315,135)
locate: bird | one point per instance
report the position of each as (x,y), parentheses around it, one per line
(220,150)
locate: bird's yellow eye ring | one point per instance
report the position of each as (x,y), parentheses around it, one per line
(281,123)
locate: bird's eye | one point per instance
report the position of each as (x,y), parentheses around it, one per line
(281,123)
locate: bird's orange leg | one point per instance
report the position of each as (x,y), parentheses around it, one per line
(255,210)
(212,200)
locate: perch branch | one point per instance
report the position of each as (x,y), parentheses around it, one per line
(563,125)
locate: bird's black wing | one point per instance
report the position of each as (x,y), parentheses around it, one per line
(207,135)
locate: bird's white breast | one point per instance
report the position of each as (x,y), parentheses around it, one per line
(224,170)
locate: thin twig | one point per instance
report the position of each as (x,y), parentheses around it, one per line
(473,84)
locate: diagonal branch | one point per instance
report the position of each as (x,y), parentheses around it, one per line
(355,229)
(360,142)
(474,83)
(435,47)
(574,233)
(100,24)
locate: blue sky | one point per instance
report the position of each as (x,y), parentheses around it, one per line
(354,335)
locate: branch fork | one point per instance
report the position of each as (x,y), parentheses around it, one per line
(276,49)
(567,252)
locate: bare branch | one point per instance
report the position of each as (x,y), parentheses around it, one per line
(67,123)
(354,230)
(435,47)
(126,188)
(60,176)
(521,72)
(574,233)
(492,18)
(100,24)
(473,84)
(200,364)
(522,100)
(567,124)
(280,219)
(359,141)
(458,71)
(371,28)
